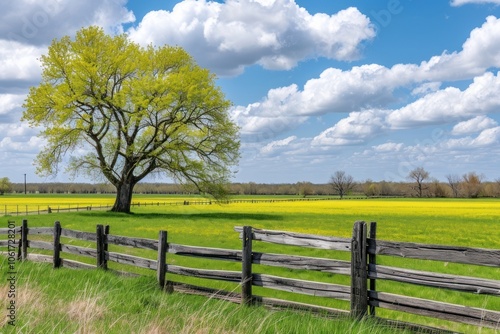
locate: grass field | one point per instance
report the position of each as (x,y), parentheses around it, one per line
(473,223)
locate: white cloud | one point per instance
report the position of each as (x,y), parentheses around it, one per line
(451,104)
(372,86)
(278,34)
(272,147)
(426,88)
(487,138)
(9,102)
(37,22)
(476,124)
(388,147)
(33,145)
(19,61)
(457,3)
(479,52)
(352,130)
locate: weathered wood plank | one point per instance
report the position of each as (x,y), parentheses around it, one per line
(279,304)
(459,283)
(303,262)
(57,245)
(372,260)
(40,244)
(133,242)
(440,310)
(101,240)
(81,235)
(77,250)
(221,275)
(24,239)
(132,260)
(5,243)
(359,271)
(271,303)
(466,255)
(205,252)
(246,266)
(66,263)
(299,239)
(16,230)
(161,263)
(41,230)
(303,287)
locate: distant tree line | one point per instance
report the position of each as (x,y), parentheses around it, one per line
(419,184)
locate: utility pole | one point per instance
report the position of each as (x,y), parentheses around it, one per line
(25,184)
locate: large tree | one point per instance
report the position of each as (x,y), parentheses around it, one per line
(123,112)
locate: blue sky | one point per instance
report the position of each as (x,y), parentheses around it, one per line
(374,88)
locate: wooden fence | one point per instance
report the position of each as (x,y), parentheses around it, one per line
(363,269)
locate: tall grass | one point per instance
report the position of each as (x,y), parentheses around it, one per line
(94,301)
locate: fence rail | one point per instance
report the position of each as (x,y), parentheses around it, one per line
(363,269)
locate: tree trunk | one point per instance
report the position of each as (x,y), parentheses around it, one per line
(123,197)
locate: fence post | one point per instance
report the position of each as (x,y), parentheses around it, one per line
(57,245)
(372,261)
(359,293)
(246,267)
(100,245)
(161,269)
(24,239)
(105,247)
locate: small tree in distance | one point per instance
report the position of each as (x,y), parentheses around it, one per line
(454,183)
(472,184)
(124,112)
(419,175)
(5,185)
(305,188)
(341,183)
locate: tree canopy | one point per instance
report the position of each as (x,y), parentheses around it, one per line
(123,112)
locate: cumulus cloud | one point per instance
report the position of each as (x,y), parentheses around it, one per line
(449,104)
(480,98)
(353,130)
(37,22)
(388,147)
(9,102)
(479,52)
(32,145)
(19,61)
(487,138)
(274,146)
(372,86)
(476,124)
(226,37)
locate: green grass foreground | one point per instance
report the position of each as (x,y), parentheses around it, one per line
(461,222)
(95,301)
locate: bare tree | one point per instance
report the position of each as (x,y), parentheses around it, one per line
(438,190)
(419,175)
(454,183)
(472,184)
(341,183)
